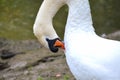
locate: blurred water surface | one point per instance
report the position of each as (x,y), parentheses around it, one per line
(17,17)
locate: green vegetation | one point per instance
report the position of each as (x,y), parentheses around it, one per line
(65,77)
(39,78)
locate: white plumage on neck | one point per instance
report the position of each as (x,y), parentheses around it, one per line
(79,15)
(43,27)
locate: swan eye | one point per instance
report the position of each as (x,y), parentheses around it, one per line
(51,43)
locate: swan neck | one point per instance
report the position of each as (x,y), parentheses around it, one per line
(79,15)
(43,24)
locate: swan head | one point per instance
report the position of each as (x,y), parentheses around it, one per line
(48,37)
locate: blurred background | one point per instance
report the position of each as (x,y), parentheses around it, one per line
(34,62)
(17,17)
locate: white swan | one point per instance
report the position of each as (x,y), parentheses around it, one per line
(89,56)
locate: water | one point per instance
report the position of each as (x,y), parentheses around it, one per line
(17,17)
(106,15)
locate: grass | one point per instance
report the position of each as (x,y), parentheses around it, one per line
(65,77)
(39,78)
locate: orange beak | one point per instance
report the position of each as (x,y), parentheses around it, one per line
(59,44)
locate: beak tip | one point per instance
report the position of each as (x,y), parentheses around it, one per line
(59,43)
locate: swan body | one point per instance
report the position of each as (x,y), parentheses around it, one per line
(89,56)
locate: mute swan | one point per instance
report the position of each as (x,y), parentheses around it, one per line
(89,56)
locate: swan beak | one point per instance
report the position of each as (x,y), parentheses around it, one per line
(59,44)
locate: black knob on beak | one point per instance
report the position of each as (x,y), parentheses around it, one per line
(51,43)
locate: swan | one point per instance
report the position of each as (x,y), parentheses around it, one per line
(88,56)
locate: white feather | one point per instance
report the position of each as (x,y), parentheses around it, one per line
(89,56)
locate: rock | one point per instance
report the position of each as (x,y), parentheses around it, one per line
(114,35)
(6,54)
(34,62)
(18,65)
(3,66)
(3,42)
